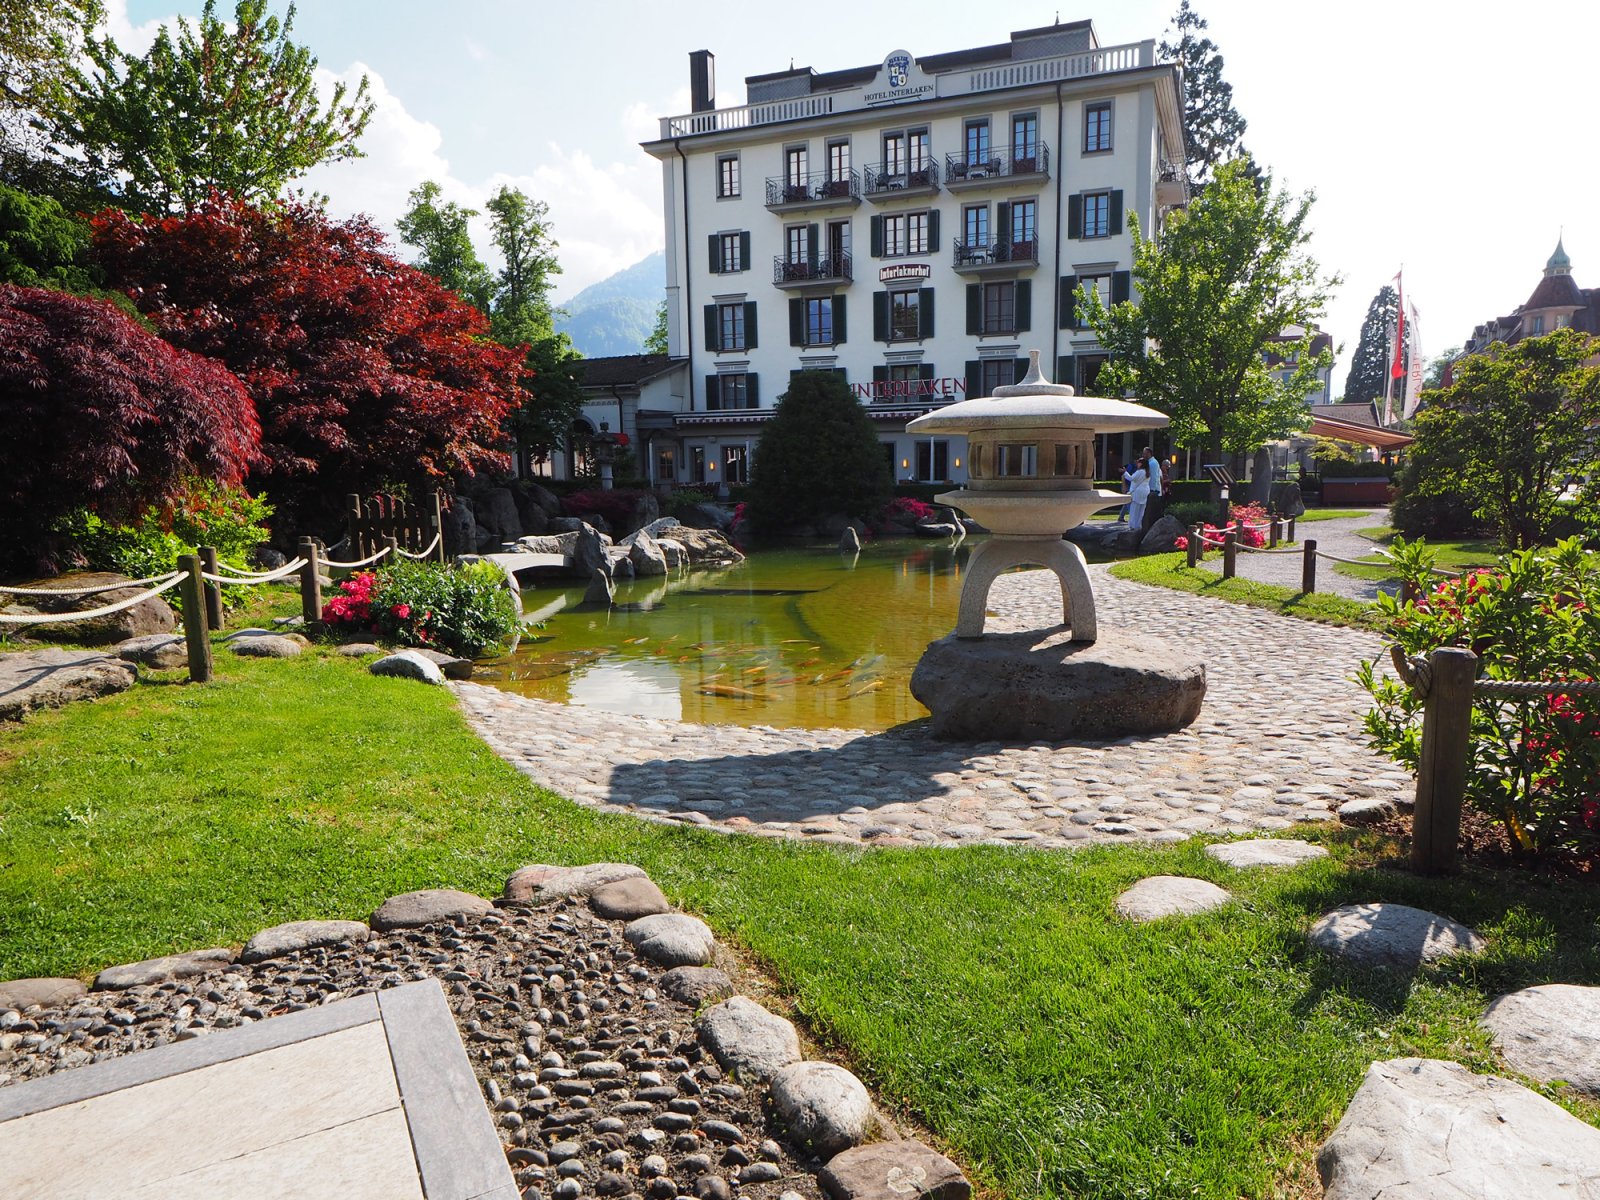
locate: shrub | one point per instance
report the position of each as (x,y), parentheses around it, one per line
(1192,512)
(1246,515)
(464,609)
(683,499)
(620,507)
(819,456)
(1535,615)
(207,514)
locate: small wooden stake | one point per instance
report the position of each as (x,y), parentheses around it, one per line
(208,560)
(1308,572)
(194,619)
(1442,765)
(1230,552)
(310,582)
(1195,545)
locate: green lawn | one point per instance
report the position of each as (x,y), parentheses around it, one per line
(1059,1051)
(1452,555)
(1332,514)
(1169,570)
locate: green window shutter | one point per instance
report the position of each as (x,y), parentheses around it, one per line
(933,231)
(1075,216)
(797,321)
(1119,286)
(1002,224)
(811,244)
(716,254)
(749,324)
(1116,211)
(880,374)
(877,236)
(711,392)
(1064,369)
(880,316)
(844,375)
(925,312)
(1024,306)
(974,378)
(752,389)
(797,371)
(1067,303)
(1019,369)
(744,251)
(974,308)
(711,327)
(838,320)
(924,370)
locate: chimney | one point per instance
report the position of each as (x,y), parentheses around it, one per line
(702,81)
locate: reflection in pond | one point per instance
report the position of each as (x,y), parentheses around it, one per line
(792,637)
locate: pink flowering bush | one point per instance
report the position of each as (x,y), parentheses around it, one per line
(1535,762)
(1246,515)
(462,610)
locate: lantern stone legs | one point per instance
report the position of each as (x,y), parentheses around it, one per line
(999,554)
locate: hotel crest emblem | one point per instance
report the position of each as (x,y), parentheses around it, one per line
(899,79)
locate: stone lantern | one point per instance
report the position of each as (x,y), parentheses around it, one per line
(1030,459)
(605,445)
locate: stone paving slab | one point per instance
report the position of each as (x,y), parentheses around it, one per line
(1278,743)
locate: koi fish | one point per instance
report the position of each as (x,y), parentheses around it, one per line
(810,662)
(729,692)
(862,691)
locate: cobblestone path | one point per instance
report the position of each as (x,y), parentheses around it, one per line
(1278,742)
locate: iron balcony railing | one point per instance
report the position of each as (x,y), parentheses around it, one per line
(977,254)
(810,189)
(833,267)
(897,177)
(996,164)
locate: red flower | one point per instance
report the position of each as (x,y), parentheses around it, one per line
(401,610)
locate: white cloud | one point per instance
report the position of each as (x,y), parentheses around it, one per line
(131,38)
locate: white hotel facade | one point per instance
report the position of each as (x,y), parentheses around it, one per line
(916,226)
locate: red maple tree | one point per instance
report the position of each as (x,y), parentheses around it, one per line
(365,372)
(99,413)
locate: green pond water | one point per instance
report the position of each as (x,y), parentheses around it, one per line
(796,638)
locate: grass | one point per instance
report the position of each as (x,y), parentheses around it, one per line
(1333,514)
(1169,570)
(1060,1052)
(1452,555)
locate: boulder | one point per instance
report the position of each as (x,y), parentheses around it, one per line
(1170,896)
(646,556)
(1391,935)
(530,513)
(1366,810)
(22,994)
(674,553)
(548,543)
(696,985)
(628,899)
(408,664)
(1265,852)
(671,939)
(706,516)
(1423,1129)
(161,970)
(262,644)
(154,615)
(1551,1033)
(748,1039)
(825,1107)
(431,906)
(621,566)
(265,558)
(593,522)
(1287,501)
(159,651)
(656,528)
(450,666)
(496,510)
(460,527)
(49,678)
(547,500)
(301,935)
(849,542)
(707,547)
(537,881)
(1041,686)
(588,554)
(904,1170)
(358,650)
(1106,537)
(1161,536)
(600,591)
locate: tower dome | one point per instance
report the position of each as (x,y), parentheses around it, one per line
(1559,263)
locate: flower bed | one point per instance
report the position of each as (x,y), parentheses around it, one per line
(464,610)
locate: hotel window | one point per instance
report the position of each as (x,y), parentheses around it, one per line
(819,322)
(838,245)
(727,176)
(1025,142)
(918,155)
(1024,228)
(996,372)
(838,161)
(905,373)
(905,233)
(977,135)
(797,244)
(666,465)
(730,327)
(905,317)
(999,309)
(933,460)
(732,257)
(975,226)
(697,464)
(735,464)
(796,161)
(1096,214)
(894,154)
(736,390)
(1097,127)
(1538,324)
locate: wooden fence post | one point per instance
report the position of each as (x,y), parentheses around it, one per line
(310,582)
(194,619)
(208,560)
(1230,551)
(1442,766)
(1308,571)
(438,526)
(1291,530)
(1272,533)
(1195,545)
(393,544)
(352,518)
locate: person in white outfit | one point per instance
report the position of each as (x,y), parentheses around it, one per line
(1127,487)
(1139,490)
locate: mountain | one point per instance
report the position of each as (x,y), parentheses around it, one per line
(615,315)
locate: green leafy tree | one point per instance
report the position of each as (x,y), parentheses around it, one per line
(521,231)
(440,232)
(41,245)
(656,343)
(1369,366)
(33,36)
(1225,277)
(819,456)
(1212,127)
(1438,366)
(228,107)
(1511,431)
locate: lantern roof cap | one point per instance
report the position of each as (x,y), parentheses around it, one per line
(1036,402)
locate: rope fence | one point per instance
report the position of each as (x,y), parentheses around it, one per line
(88,591)
(23,619)
(360,562)
(1232,541)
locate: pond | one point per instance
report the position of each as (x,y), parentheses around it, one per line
(796,638)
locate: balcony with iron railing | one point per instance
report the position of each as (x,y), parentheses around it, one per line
(992,167)
(978,257)
(821,189)
(833,269)
(896,181)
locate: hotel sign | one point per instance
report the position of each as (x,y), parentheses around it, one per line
(899,271)
(898,80)
(905,389)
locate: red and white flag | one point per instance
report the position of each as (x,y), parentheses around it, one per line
(1413,395)
(1397,351)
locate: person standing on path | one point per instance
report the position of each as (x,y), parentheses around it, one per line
(1139,490)
(1156,503)
(1127,488)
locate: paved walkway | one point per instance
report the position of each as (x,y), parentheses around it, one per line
(1337,537)
(1279,741)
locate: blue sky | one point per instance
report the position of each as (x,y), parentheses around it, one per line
(1448,136)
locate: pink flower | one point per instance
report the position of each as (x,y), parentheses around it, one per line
(401,610)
